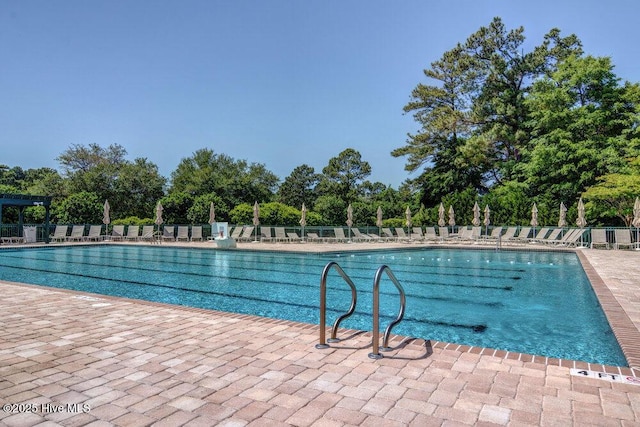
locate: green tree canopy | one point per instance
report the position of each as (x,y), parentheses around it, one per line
(175,207)
(473,119)
(79,208)
(299,187)
(198,213)
(344,174)
(132,188)
(613,197)
(584,126)
(234,181)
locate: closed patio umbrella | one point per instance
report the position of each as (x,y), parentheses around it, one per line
(212,214)
(349,219)
(441,222)
(636,213)
(534,218)
(303,219)
(379,219)
(581,221)
(106,219)
(452,217)
(487,219)
(562,221)
(407,216)
(476,215)
(256,219)
(636,221)
(212,217)
(158,220)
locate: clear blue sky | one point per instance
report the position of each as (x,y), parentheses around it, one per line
(279,82)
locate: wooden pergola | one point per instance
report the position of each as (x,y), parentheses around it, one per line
(25,200)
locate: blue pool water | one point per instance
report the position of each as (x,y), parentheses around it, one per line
(530,302)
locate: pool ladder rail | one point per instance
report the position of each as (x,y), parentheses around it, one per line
(375,340)
(323,304)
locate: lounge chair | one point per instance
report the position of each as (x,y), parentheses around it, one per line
(465,234)
(167,232)
(509,235)
(196,233)
(468,234)
(314,237)
(281,235)
(60,233)
(95,233)
(388,234)
(183,233)
(359,236)
(235,234)
(476,232)
(117,233)
(542,234)
(430,234)
(133,232)
(402,236)
(599,238)
(623,238)
(554,237)
(575,238)
(265,234)
(147,233)
(443,233)
(339,234)
(496,234)
(375,237)
(77,233)
(247,234)
(523,236)
(12,239)
(416,234)
(570,237)
(293,237)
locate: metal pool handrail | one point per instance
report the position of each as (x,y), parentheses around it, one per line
(375,354)
(323,304)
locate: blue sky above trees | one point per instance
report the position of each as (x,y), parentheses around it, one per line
(281,83)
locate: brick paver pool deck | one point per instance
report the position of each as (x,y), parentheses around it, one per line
(75,359)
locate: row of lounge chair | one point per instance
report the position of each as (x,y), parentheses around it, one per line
(149,233)
(133,233)
(617,239)
(60,234)
(510,235)
(621,238)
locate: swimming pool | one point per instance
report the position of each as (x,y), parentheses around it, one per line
(530,302)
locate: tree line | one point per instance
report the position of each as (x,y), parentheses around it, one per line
(509,127)
(92,174)
(498,125)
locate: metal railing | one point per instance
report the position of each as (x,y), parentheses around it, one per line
(323,304)
(375,340)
